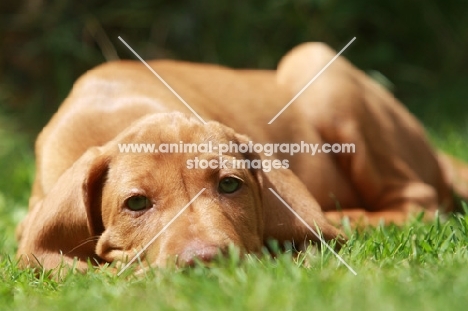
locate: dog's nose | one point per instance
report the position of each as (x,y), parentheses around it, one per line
(197,251)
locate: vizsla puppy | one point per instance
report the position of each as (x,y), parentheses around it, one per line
(90,201)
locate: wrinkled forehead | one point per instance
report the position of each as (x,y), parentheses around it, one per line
(175,128)
(163,142)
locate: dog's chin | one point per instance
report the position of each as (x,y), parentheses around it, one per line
(141,264)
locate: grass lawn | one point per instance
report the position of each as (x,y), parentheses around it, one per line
(421,266)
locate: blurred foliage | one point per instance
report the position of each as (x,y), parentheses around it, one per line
(419,45)
(16,163)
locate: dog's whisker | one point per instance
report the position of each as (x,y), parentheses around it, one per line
(86,241)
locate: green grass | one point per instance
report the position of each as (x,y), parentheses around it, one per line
(420,266)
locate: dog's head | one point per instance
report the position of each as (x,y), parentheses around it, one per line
(142,192)
(134,199)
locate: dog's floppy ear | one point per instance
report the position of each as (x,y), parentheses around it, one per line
(279,222)
(61,227)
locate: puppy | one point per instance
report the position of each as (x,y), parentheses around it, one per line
(91,201)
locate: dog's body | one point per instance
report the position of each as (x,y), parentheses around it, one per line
(79,205)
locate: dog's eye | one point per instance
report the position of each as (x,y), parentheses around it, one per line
(138,203)
(229,185)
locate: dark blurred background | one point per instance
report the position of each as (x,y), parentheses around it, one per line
(418,48)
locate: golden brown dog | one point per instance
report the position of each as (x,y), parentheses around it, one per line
(90,201)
